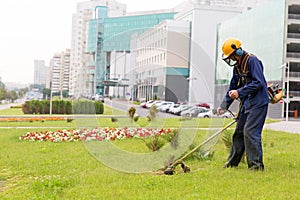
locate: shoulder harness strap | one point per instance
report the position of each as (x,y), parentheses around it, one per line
(244,68)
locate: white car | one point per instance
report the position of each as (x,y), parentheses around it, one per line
(210,114)
(193,111)
(180,108)
(164,107)
(150,103)
(172,107)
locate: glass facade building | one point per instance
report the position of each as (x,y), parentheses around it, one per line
(107,34)
(271,32)
(261,31)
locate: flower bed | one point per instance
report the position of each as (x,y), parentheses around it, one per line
(31,119)
(97,134)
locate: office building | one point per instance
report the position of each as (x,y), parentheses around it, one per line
(162,62)
(271,32)
(204,16)
(79,85)
(109,36)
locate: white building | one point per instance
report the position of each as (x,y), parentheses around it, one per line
(204,16)
(40,72)
(55,65)
(60,67)
(162,61)
(78,78)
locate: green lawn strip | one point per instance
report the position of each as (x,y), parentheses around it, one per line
(11,111)
(18,111)
(44,170)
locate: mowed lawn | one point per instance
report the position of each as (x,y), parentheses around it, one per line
(45,170)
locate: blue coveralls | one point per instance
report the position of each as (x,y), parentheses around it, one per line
(253,93)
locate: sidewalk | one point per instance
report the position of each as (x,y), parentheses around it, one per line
(284,126)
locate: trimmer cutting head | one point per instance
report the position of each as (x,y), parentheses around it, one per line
(171,169)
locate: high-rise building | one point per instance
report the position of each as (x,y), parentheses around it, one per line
(271,32)
(40,72)
(79,85)
(60,67)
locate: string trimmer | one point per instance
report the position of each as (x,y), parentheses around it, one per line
(171,168)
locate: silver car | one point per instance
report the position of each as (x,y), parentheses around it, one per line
(193,111)
(211,114)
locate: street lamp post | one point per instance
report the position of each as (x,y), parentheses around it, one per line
(287,91)
(50,109)
(190,79)
(50,112)
(287,101)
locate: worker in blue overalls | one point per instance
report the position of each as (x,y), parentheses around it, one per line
(249,85)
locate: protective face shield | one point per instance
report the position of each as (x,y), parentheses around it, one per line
(231,47)
(231,62)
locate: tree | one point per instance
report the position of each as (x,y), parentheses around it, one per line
(2,93)
(65,93)
(46,93)
(23,91)
(12,95)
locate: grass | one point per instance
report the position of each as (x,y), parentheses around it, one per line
(11,111)
(44,170)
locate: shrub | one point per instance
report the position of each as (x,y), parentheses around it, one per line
(99,108)
(63,107)
(69,119)
(131,112)
(136,118)
(152,113)
(16,106)
(55,107)
(113,119)
(155,143)
(25,108)
(68,107)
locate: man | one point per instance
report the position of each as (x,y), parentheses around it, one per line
(249,85)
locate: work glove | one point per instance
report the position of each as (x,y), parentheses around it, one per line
(220,111)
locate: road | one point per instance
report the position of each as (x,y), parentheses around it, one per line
(5,106)
(142,112)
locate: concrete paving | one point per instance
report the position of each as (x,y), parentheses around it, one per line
(284,126)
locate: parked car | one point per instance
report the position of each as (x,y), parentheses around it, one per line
(180,108)
(150,103)
(210,114)
(143,104)
(158,103)
(173,107)
(99,97)
(193,111)
(164,107)
(205,105)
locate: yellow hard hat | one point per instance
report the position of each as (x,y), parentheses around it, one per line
(229,46)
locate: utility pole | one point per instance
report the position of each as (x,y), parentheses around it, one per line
(287,91)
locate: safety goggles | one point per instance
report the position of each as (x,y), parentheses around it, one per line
(231,62)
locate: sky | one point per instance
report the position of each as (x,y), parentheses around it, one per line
(36,29)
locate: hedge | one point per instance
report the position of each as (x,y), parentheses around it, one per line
(63,107)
